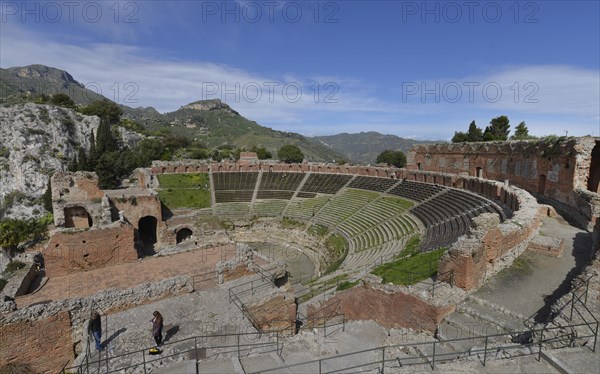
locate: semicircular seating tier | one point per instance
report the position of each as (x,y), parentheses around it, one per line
(377,216)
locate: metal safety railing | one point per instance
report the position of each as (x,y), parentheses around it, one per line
(237,344)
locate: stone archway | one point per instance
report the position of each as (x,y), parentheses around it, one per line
(594,177)
(541,184)
(147,228)
(183,234)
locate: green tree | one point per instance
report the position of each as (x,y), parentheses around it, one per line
(261,152)
(290,153)
(109,170)
(105,109)
(73,165)
(91,164)
(63,100)
(474,134)
(390,157)
(82,160)
(497,130)
(48,196)
(459,137)
(15,231)
(521,132)
(105,142)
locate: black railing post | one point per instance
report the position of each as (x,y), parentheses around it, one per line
(383,360)
(485,350)
(196,353)
(540,345)
(572,306)
(595,337)
(238,343)
(587,286)
(144,360)
(433,357)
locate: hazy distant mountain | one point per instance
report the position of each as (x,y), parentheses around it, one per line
(364,147)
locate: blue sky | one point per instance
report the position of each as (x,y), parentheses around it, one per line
(421,69)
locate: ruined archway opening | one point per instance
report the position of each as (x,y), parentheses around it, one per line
(594,178)
(77,217)
(541,184)
(147,233)
(183,235)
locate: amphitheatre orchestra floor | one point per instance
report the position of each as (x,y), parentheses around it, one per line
(128,275)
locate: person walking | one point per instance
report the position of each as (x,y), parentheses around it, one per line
(157,327)
(95,328)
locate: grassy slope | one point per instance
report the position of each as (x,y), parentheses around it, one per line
(412,267)
(184,190)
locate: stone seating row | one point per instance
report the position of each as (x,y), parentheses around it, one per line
(372,183)
(325,183)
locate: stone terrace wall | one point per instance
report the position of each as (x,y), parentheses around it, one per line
(162,167)
(553,169)
(74,251)
(491,245)
(63,322)
(43,345)
(391,309)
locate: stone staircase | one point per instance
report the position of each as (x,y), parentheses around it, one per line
(462,334)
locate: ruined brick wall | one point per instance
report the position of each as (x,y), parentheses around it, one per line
(74,251)
(135,207)
(44,345)
(190,166)
(276,313)
(472,259)
(390,309)
(73,196)
(552,169)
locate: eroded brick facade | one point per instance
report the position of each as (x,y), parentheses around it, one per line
(560,170)
(43,345)
(70,252)
(390,309)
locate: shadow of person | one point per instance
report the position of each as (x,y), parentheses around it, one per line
(170,332)
(113,336)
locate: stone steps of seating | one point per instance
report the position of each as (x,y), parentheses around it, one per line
(503,321)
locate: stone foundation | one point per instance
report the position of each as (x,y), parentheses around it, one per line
(547,246)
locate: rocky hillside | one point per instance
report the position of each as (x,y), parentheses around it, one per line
(215,123)
(364,147)
(35,141)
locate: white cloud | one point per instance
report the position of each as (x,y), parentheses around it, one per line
(565,94)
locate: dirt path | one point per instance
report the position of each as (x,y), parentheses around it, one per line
(535,281)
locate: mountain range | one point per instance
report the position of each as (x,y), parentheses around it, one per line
(211,122)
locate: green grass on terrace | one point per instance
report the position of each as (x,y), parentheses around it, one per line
(338,246)
(401,203)
(184,190)
(318,230)
(412,267)
(288,223)
(173,181)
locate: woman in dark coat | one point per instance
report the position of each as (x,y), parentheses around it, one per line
(157,327)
